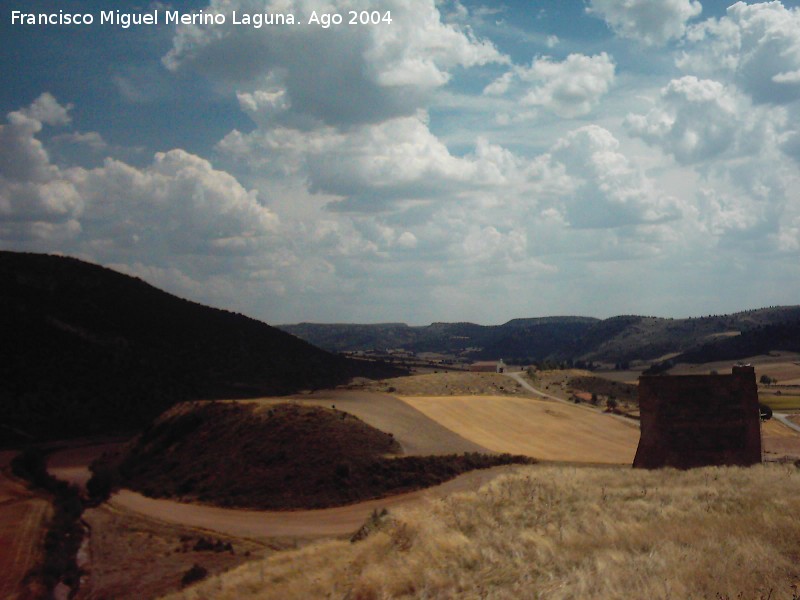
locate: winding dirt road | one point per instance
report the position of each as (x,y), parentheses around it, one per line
(418,434)
(265,525)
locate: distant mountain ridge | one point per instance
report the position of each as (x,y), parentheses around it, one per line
(84,349)
(616,339)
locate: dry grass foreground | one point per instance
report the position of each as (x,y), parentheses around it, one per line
(559,533)
(544,429)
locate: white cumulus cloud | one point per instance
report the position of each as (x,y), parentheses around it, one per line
(756,46)
(698,120)
(568,88)
(177,205)
(652,22)
(695,120)
(607,190)
(370,167)
(339,76)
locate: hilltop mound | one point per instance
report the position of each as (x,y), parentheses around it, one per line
(278,456)
(86,350)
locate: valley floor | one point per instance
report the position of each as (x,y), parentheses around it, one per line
(545,531)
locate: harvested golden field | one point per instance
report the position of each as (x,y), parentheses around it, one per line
(450,383)
(560,533)
(544,429)
(785,400)
(416,433)
(778,442)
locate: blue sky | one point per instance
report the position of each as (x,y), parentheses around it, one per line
(470,161)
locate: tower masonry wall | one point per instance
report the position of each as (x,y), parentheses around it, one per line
(697,420)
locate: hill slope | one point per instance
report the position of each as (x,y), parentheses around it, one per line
(85,349)
(760,340)
(616,339)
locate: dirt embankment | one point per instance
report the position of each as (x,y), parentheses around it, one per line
(134,556)
(23,522)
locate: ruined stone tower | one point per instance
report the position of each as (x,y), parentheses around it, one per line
(698,420)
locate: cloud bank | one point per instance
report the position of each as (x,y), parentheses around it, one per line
(437,170)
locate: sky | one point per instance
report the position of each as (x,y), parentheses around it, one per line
(457,161)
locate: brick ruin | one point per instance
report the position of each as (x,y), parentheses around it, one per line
(698,420)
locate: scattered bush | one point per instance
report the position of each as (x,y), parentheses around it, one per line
(209,545)
(372,524)
(196,573)
(103,482)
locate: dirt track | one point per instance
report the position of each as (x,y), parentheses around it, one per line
(265,525)
(544,429)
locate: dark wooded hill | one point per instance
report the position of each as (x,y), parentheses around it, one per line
(615,340)
(84,349)
(760,340)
